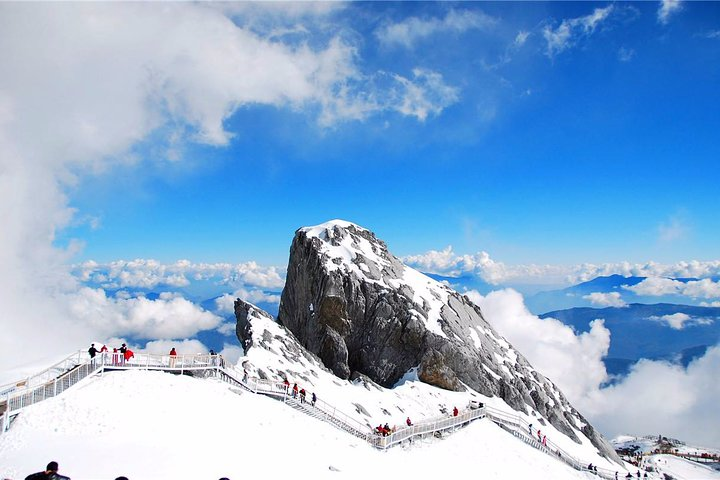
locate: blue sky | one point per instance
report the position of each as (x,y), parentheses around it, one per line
(602,148)
(510,144)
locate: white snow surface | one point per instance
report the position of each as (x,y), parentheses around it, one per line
(155,426)
(679,468)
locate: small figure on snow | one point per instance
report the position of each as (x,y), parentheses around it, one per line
(455,412)
(408,421)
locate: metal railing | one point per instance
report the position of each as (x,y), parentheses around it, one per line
(78,366)
(426,427)
(56,379)
(519,428)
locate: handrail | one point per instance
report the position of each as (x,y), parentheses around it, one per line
(74,368)
(432,425)
(516,425)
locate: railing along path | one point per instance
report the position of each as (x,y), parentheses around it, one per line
(76,367)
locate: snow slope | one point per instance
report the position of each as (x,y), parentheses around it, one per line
(155,426)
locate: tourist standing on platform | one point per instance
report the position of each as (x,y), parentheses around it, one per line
(123,349)
(173,357)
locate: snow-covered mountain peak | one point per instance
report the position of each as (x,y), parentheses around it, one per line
(352,303)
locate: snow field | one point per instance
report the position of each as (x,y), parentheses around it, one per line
(155,426)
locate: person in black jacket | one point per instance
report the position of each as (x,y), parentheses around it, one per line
(50,473)
(92,351)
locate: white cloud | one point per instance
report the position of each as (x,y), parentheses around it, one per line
(712,34)
(570,30)
(611,299)
(186,346)
(226,303)
(521,38)
(425,95)
(680,320)
(655,397)
(480,264)
(169,316)
(573,362)
(151,273)
(231,353)
(412,29)
(625,54)
(667,9)
(671,230)
(658,397)
(658,286)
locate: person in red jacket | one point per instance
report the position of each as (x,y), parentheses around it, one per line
(173,357)
(128,355)
(409,423)
(455,412)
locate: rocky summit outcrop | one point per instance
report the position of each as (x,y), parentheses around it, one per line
(348,300)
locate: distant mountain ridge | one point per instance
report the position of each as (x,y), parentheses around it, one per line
(575,295)
(645,331)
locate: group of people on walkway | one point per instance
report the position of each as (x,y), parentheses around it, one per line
(119,355)
(298,392)
(541,438)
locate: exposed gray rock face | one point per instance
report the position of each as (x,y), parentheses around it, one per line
(348,300)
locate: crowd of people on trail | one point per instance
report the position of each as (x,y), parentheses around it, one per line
(119,355)
(386,430)
(122,355)
(297,392)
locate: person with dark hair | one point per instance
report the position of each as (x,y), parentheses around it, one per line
(122,478)
(50,473)
(455,412)
(92,351)
(123,350)
(173,357)
(314,399)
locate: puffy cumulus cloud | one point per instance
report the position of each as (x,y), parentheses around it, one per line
(667,9)
(611,299)
(658,286)
(410,30)
(225,304)
(447,262)
(655,396)
(231,353)
(680,320)
(82,84)
(569,31)
(169,316)
(163,347)
(573,362)
(658,397)
(150,273)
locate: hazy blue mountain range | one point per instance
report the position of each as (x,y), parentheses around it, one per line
(573,296)
(677,333)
